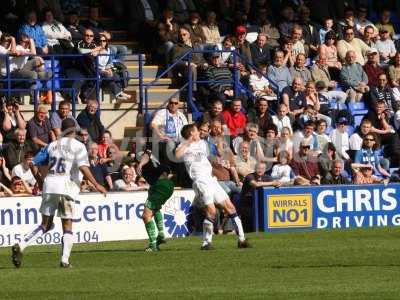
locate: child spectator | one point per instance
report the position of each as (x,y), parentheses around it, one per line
(282,119)
(260,85)
(322,137)
(285,143)
(282,171)
(340,138)
(328,25)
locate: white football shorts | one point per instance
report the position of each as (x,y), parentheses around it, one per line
(63,204)
(208,192)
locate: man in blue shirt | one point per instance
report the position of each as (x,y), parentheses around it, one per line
(35,32)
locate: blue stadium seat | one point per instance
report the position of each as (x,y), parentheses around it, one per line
(350,129)
(357,120)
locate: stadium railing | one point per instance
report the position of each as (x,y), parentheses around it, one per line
(58,81)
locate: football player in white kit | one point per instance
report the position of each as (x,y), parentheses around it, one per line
(207,189)
(66,157)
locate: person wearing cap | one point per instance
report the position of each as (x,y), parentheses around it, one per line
(243,46)
(353,77)
(220,79)
(350,43)
(372,67)
(385,46)
(304,167)
(340,138)
(383,92)
(261,51)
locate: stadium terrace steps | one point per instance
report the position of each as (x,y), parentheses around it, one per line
(161,83)
(148,71)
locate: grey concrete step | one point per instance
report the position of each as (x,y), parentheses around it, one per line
(162,83)
(148,71)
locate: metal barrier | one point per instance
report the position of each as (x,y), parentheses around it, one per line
(57,76)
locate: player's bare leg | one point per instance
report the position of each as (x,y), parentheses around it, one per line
(147,218)
(237,223)
(17,249)
(67,241)
(208,226)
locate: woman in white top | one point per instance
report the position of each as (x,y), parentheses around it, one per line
(282,171)
(285,142)
(106,68)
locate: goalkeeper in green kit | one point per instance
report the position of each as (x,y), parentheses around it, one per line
(161,189)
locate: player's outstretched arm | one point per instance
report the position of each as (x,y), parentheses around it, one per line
(86,172)
(180,150)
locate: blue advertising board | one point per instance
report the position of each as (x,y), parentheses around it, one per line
(328,207)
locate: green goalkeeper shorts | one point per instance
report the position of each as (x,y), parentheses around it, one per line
(159,193)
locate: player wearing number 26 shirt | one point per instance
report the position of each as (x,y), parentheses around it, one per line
(65,157)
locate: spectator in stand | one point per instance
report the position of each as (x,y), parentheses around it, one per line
(167,123)
(271,32)
(361,21)
(217,140)
(329,50)
(328,26)
(318,102)
(261,51)
(297,40)
(310,33)
(106,142)
(288,21)
(278,72)
(293,96)
(308,135)
(372,67)
(228,44)
(306,170)
(356,139)
(282,170)
(106,68)
(326,158)
(181,9)
(17,148)
(269,147)
(59,39)
(89,119)
(379,117)
(184,45)
(299,68)
(394,75)
(127,182)
(353,77)
(84,137)
(196,29)
(260,115)
(350,43)
(39,129)
(335,175)
(368,155)
(5,176)
(322,137)
(220,79)
(363,174)
(98,170)
(234,118)
(385,22)
(383,92)
(244,162)
(251,136)
(19,187)
(385,47)
(23,171)
(56,117)
(211,30)
(369,36)
(287,48)
(12,119)
(168,32)
(320,74)
(284,143)
(260,86)
(75,29)
(32,29)
(252,181)
(243,46)
(281,119)
(215,113)
(340,138)
(346,22)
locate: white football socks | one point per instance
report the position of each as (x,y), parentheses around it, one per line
(208,228)
(237,223)
(66,244)
(31,237)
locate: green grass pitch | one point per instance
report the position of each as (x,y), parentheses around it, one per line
(348,264)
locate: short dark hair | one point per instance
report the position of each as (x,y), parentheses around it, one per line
(64,103)
(187,130)
(272,127)
(309,123)
(67,124)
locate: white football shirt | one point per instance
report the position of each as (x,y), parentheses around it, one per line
(196,161)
